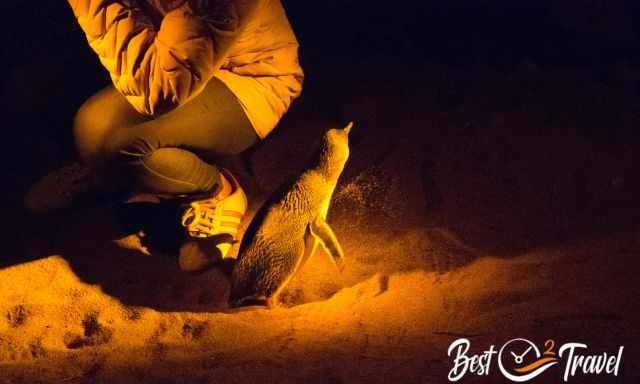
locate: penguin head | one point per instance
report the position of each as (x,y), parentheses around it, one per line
(335,149)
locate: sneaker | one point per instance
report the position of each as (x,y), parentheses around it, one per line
(217,218)
(60,188)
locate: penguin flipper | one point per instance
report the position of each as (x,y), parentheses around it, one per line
(323,232)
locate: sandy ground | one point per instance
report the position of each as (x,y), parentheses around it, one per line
(393,326)
(460,216)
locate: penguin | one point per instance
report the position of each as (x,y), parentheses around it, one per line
(287,229)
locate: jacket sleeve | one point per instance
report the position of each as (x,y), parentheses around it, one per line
(158,70)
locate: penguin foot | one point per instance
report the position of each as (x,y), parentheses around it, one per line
(246,309)
(253,300)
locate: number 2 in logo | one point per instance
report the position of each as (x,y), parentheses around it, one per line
(548,347)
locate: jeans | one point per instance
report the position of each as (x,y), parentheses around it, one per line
(170,154)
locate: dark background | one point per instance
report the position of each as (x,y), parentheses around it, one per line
(41,41)
(471,76)
(48,67)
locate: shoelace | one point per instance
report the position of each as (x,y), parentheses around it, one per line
(201,219)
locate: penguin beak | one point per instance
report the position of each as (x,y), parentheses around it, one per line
(347,129)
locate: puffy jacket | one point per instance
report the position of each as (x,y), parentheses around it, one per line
(161,53)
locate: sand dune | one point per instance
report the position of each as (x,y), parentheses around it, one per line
(391,327)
